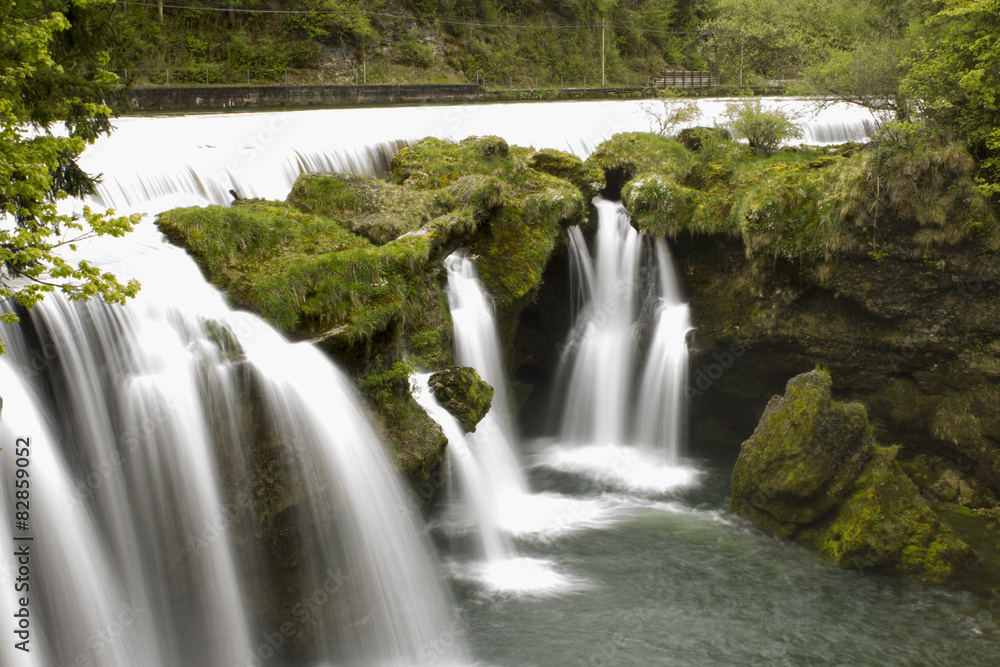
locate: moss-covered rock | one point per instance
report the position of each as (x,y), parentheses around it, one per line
(308,275)
(521,210)
(941,481)
(811,471)
(697,138)
(629,154)
(464,394)
(586,176)
(804,455)
(380,211)
(659,206)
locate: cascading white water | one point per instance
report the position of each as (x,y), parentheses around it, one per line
(399,610)
(602,408)
(663,387)
(126,480)
(260,154)
(492,498)
(600,383)
(137,563)
(135,558)
(480,504)
(476,345)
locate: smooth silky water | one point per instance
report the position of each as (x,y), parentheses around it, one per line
(652,568)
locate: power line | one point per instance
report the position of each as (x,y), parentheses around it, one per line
(475,24)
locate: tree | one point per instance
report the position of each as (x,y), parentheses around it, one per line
(867,75)
(777,39)
(868,70)
(670,111)
(955,77)
(51,71)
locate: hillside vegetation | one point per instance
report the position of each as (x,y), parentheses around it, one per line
(408,40)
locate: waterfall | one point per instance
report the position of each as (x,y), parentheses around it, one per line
(164,434)
(493,499)
(663,387)
(600,383)
(150,426)
(623,407)
(199,158)
(477,346)
(480,503)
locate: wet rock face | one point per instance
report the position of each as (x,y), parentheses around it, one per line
(917,345)
(464,394)
(800,463)
(812,472)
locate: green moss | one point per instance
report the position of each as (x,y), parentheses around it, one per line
(461,391)
(586,176)
(885,523)
(381,386)
(220,334)
(930,181)
(659,206)
(632,153)
(811,471)
(697,139)
(802,204)
(803,456)
(435,163)
(306,274)
(378,210)
(415,440)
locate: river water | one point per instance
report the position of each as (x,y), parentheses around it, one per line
(639,561)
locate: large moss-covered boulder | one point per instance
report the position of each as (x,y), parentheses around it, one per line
(464,394)
(804,456)
(811,471)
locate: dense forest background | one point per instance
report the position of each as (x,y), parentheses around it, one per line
(746,42)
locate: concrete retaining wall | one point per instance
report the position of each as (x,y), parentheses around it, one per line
(178,98)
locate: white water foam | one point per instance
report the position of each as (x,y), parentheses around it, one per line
(620,467)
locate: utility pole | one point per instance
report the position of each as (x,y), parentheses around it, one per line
(604,81)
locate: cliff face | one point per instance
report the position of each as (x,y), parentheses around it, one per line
(914,338)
